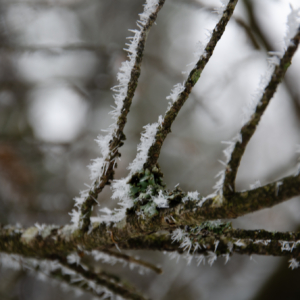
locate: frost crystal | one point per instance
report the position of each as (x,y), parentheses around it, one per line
(175,92)
(255,185)
(250,108)
(278,184)
(288,246)
(227,257)
(293,22)
(147,139)
(219,10)
(186,244)
(212,257)
(191,196)
(177,235)
(240,244)
(200,259)
(264,242)
(294,264)
(99,165)
(73,258)
(160,200)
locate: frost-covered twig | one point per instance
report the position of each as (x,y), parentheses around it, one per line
(112,257)
(265,94)
(100,285)
(102,169)
(102,280)
(181,92)
(222,240)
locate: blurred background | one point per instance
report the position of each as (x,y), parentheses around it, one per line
(58,61)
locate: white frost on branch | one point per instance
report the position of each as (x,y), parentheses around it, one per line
(120,188)
(178,234)
(219,185)
(293,22)
(255,185)
(175,93)
(147,140)
(219,10)
(191,196)
(212,257)
(249,110)
(98,166)
(294,264)
(160,200)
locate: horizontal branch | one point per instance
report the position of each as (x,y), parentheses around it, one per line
(165,128)
(223,241)
(45,241)
(249,128)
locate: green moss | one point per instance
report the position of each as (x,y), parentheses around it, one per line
(145,183)
(196,76)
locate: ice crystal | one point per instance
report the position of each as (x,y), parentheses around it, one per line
(177,235)
(175,92)
(98,166)
(147,139)
(255,185)
(278,184)
(294,264)
(186,244)
(211,257)
(191,196)
(160,200)
(73,258)
(200,259)
(293,22)
(264,242)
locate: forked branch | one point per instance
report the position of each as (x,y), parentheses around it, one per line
(249,128)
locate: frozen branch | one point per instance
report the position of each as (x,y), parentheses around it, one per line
(44,241)
(249,128)
(184,92)
(216,239)
(131,260)
(102,169)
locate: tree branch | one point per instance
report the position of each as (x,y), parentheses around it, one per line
(115,140)
(249,128)
(44,241)
(165,128)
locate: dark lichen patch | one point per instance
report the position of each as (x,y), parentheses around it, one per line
(146,183)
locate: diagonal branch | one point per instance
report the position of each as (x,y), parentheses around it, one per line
(249,128)
(103,168)
(165,128)
(102,279)
(131,259)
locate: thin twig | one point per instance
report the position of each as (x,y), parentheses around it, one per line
(165,128)
(249,128)
(131,259)
(104,280)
